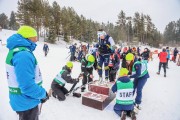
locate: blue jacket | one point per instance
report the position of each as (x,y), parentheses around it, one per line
(168,52)
(24,64)
(72,49)
(119,107)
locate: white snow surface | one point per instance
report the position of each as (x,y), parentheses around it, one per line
(161,97)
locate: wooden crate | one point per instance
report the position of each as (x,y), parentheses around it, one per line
(104,89)
(97,101)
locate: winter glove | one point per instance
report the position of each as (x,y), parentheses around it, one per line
(45,99)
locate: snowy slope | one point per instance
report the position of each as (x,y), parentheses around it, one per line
(161,98)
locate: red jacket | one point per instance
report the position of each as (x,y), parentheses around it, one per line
(163,57)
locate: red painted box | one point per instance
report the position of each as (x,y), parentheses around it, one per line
(100,88)
(97,101)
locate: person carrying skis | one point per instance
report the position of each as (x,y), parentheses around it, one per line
(45,49)
(163,61)
(106,44)
(23,74)
(140,75)
(124,95)
(87,64)
(58,84)
(113,65)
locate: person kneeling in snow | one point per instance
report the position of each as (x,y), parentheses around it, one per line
(124,95)
(58,84)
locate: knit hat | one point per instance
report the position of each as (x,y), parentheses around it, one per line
(90,58)
(27,31)
(69,64)
(123,72)
(129,57)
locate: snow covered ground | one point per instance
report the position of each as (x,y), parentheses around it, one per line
(161,97)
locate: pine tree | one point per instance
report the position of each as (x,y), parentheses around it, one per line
(4,21)
(12,23)
(52,33)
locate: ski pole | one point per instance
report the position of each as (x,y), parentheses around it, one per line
(68,56)
(40,107)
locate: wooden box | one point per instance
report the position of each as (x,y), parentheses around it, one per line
(97,101)
(99,95)
(100,88)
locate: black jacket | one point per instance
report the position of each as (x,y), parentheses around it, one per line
(66,75)
(86,70)
(145,55)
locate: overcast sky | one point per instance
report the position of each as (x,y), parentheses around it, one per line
(161,11)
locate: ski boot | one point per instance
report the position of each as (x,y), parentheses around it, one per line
(133,115)
(136,108)
(83,89)
(100,80)
(78,95)
(123,115)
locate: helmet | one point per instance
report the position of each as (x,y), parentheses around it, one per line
(129,57)
(27,31)
(123,71)
(90,58)
(69,64)
(97,45)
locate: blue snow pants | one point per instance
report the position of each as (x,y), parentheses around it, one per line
(103,59)
(138,86)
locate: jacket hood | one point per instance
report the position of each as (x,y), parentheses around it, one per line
(17,40)
(124,79)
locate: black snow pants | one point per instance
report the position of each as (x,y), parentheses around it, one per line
(58,91)
(164,67)
(112,74)
(32,114)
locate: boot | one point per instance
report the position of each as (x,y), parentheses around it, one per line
(158,73)
(137,106)
(164,75)
(123,115)
(106,79)
(78,95)
(54,95)
(83,89)
(133,115)
(100,79)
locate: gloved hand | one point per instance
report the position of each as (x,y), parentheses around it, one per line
(80,76)
(45,99)
(91,76)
